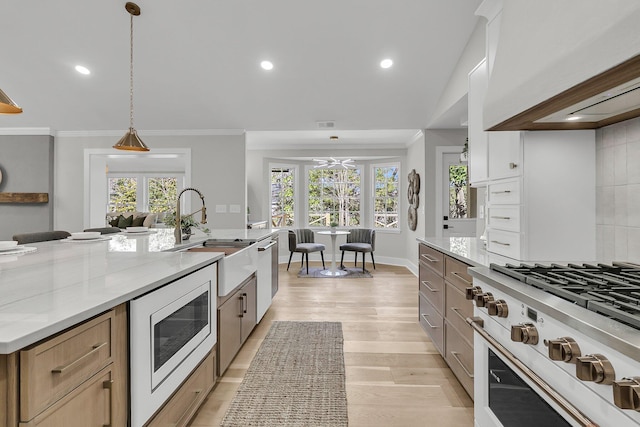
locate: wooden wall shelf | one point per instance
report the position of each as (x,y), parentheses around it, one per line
(24,197)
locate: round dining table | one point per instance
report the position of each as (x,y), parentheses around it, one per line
(333,271)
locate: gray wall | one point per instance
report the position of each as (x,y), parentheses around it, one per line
(618,192)
(217,170)
(26,162)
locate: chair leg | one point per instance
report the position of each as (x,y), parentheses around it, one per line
(322,256)
(341,261)
(364,260)
(373,261)
(355,263)
(307,256)
(289,263)
(302,260)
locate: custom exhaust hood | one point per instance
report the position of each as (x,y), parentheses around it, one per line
(573,64)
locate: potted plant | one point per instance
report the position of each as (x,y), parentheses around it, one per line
(333,225)
(186,223)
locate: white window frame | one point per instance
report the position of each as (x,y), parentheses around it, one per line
(296,190)
(364,217)
(142,189)
(372,192)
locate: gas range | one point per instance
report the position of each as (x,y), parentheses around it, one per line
(574,327)
(611,290)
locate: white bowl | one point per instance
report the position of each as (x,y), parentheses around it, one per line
(85,235)
(137,229)
(7,244)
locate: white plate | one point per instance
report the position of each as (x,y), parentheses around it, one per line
(6,245)
(12,249)
(137,229)
(85,235)
(71,240)
(18,250)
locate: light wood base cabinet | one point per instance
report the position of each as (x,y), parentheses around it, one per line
(182,406)
(75,378)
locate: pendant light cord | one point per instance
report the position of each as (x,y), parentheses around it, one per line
(131,77)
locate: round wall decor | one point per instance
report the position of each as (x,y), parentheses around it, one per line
(413,194)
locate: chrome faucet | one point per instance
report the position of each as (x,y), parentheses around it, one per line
(178,230)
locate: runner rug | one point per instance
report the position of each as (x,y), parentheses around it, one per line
(296,379)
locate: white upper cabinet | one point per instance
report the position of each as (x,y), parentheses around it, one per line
(505,154)
(478,162)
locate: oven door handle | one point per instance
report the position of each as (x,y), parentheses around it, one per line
(478,325)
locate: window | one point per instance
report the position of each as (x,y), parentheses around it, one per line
(385,197)
(282,196)
(458,192)
(334,197)
(145,193)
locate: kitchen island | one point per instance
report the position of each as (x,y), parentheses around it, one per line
(67,291)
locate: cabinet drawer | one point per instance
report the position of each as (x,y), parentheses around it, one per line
(432,322)
(504,217)
(432,258)
(505,243)
(456,273)
(88,405)
(504,192)
(432,287)
(458,309)
(51,369)
(184,403)
(459,357)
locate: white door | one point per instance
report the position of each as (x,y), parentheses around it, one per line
(456,198)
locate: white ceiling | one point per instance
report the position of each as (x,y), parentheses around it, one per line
(196,64)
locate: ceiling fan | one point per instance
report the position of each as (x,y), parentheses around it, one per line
(323,163)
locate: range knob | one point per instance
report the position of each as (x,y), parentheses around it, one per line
(596,368)
(473,291)
(525,333)
(626,393)
(565,349)
(483,298)
(498,308)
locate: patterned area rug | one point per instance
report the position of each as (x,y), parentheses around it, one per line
(296,379)
(352,273)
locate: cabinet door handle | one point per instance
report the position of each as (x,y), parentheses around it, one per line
(242,305)
(459,276)
(464,368)
(245,304)
(501,192)
(428,258)
(424,316)
(513,165)
(109,386)
(63,369)
(269,246)
(424,282)
(500,243)
(501,217)
(456,310)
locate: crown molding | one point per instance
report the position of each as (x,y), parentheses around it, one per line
(27,131)
(415,138)
(118,133)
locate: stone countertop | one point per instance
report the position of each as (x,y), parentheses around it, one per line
(64,283)
(469,250)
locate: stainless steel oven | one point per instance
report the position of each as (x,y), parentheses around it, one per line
(171,331)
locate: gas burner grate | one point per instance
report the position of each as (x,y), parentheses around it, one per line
(611,290)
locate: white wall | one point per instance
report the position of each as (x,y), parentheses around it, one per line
(390,246)
(618,192)
(416,160)
(217,170)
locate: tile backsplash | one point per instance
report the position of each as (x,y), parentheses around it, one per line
(618,192)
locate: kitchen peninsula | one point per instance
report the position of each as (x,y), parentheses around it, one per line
(68,295)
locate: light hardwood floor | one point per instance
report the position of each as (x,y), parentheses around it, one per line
(394,375)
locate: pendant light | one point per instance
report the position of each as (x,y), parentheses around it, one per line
(7,106)
(131,141)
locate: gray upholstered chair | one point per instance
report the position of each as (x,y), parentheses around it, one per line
(40,236)
(302,240)
(360,240)
(105,230)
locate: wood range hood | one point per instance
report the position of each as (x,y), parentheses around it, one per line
(564,65)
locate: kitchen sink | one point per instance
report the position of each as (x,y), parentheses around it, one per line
(240,261)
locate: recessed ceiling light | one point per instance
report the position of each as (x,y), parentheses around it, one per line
(573,118)
(266,65)
(82,70)
(386,63)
